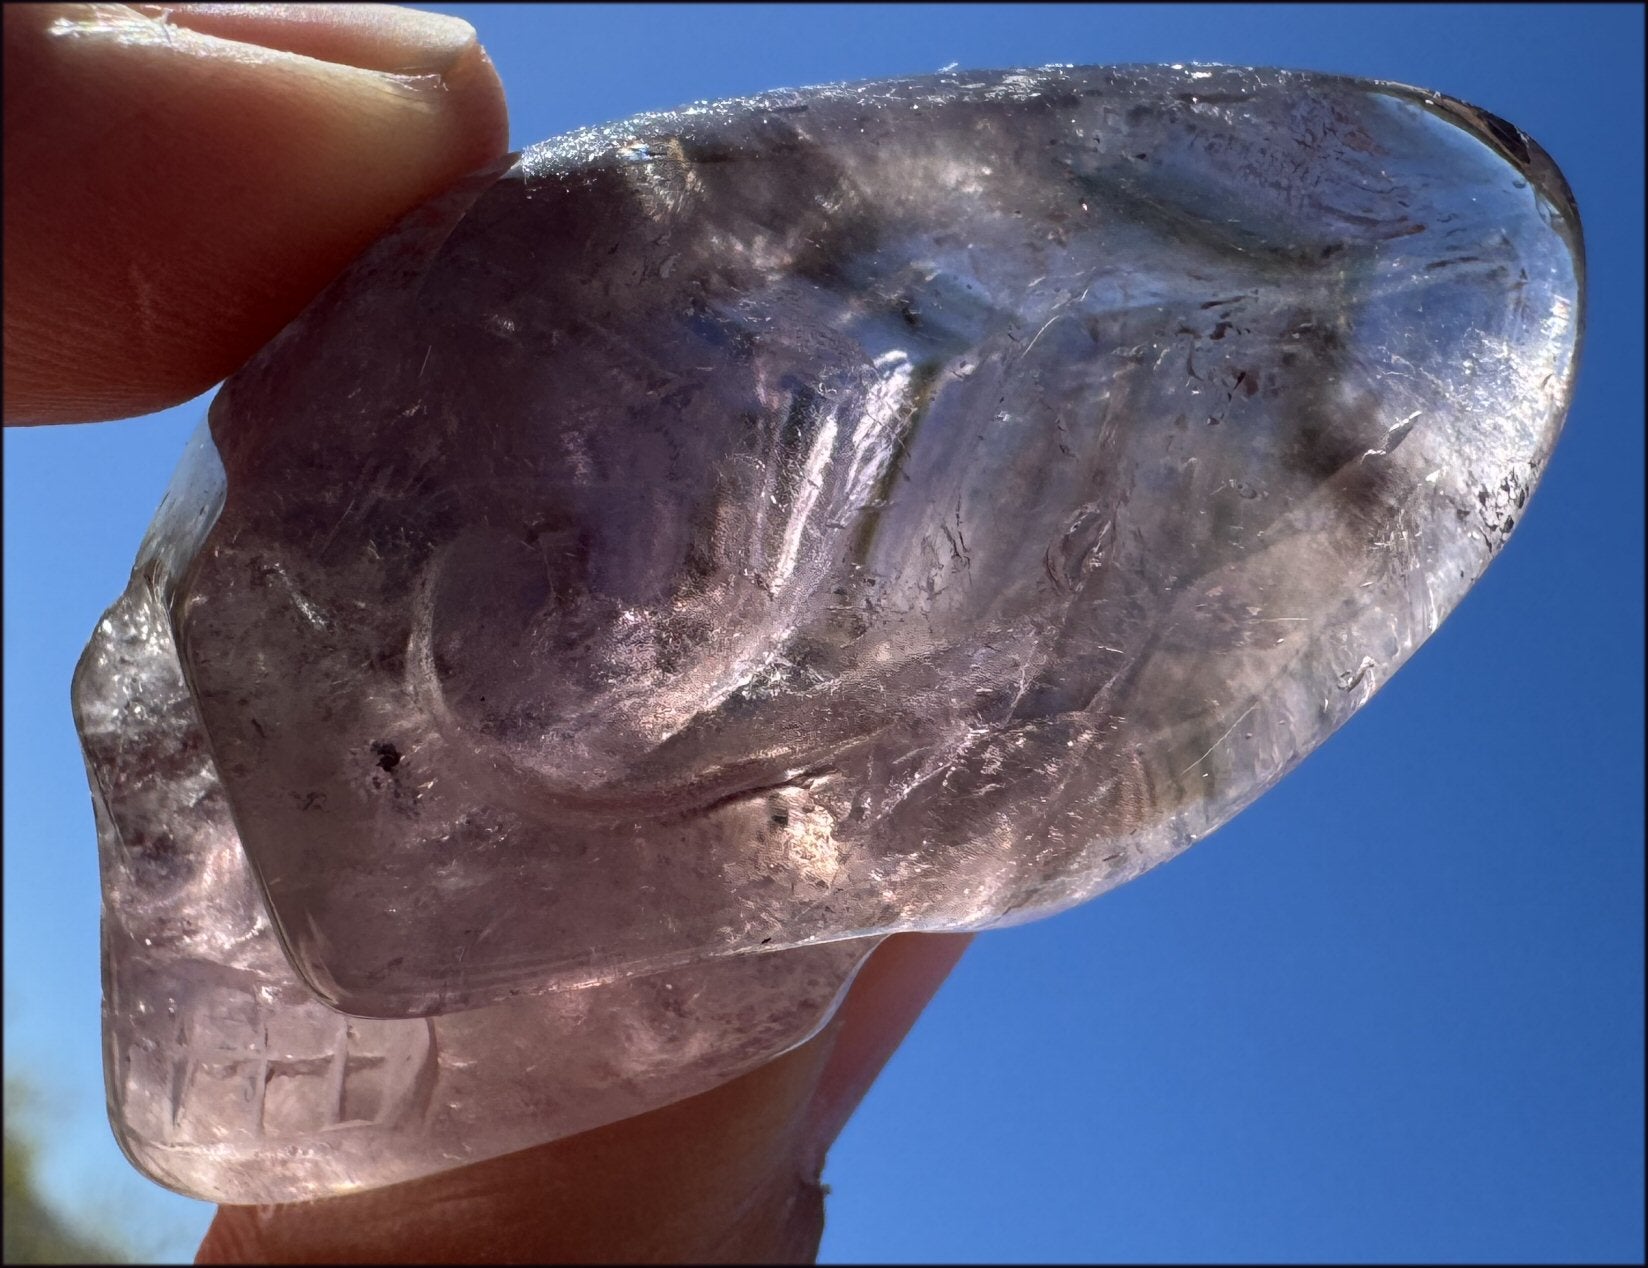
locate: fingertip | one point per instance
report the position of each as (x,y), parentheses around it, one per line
(887,997)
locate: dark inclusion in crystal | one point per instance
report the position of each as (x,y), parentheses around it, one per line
(914,505)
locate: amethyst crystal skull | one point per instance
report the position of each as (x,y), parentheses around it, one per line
(664,565)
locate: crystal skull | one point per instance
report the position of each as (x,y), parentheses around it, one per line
(672,560)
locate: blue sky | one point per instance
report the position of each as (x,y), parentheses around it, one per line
(1393,1012)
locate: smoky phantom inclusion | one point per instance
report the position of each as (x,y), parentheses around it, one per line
(670,561)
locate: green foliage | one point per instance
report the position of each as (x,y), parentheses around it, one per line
(34,1233)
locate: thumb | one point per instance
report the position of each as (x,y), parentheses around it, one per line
(181,180)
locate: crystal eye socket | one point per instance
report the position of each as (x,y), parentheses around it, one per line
(745,532)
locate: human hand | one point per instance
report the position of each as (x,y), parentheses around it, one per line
(180,183)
